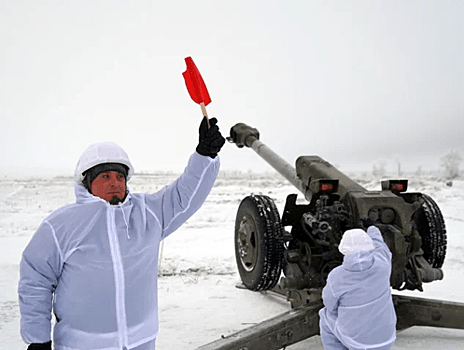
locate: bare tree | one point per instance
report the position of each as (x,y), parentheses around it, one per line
(450,163)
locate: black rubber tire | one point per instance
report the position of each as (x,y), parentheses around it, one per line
(258,243)
(433,232)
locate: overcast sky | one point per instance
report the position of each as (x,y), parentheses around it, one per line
(351,81)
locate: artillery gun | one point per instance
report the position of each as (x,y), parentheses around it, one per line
(411,224)
(295,262)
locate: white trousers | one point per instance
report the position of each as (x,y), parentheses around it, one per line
(331,342)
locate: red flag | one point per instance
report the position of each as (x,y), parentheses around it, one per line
(195,84)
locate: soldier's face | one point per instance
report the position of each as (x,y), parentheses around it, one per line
(110,186)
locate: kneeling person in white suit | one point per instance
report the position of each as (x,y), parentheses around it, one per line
(358,309)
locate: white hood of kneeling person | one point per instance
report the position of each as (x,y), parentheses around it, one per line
(356,245)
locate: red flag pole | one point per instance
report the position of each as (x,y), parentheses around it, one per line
(203,110)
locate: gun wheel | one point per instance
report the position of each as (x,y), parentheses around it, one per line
(433,232)
(258,243)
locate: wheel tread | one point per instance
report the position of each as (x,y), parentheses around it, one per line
(434,238)
(272,259)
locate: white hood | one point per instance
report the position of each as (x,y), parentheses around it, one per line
(355,240)
(99,153)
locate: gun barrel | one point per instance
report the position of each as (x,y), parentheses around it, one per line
(244,135)
(281,166)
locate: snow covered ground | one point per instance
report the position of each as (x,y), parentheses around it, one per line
(199,301)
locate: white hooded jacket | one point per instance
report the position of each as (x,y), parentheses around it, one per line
(96,264)
(358,307)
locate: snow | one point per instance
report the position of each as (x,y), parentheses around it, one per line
(198,298)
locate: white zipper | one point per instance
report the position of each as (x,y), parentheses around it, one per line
(118,277)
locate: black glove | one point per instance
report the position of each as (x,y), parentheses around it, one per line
(42,346)
(211,140)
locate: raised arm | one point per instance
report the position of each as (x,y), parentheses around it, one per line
(380,245)
(175,203)
(181,199)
